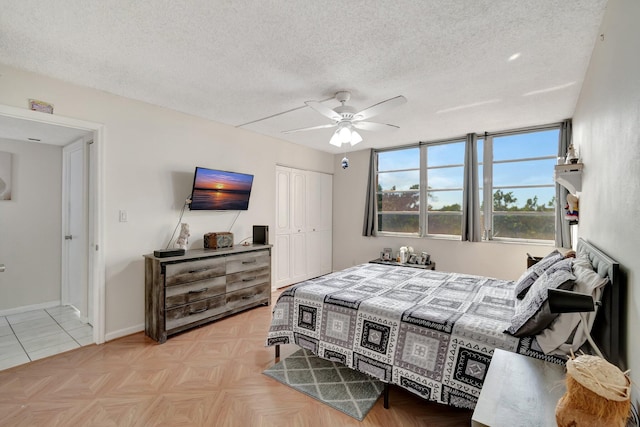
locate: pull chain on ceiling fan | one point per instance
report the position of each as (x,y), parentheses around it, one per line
(347,119)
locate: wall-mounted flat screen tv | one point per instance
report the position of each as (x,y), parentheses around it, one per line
(218,190)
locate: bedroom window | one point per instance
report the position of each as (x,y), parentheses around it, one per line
(398,191)
(445,171)
(517,171)
(420,188)
(402,183)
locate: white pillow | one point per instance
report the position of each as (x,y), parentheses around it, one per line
(553,340)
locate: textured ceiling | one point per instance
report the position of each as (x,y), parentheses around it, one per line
(240,61)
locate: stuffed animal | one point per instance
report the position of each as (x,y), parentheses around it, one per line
(571,209)
(183,238)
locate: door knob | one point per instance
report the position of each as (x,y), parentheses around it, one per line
(2,268)
(68,237)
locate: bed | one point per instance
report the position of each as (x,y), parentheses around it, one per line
(430,332)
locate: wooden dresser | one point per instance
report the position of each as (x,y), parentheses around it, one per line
(203,285)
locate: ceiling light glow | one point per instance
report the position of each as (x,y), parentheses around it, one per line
(514,56)
(550,89)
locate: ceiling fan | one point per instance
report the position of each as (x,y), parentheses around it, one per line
(347,119)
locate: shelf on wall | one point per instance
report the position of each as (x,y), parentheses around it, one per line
(569,176)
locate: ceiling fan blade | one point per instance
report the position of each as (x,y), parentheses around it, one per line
(380,107)
(324,110)
(311,128)
(374,126)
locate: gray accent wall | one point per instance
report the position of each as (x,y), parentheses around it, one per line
(606,127)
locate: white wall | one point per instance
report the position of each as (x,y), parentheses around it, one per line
(31,227)
(501,260)
(607,132)
(150,156)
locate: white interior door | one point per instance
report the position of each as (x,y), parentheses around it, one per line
(74,216)
(281,246)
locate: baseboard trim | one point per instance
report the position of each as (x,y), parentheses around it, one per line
(124,332)
(31,307)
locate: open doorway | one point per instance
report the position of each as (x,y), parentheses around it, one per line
(81,262)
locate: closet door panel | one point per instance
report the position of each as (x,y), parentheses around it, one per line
(314,254)
(298,257)
(298,202)
(282,253)
(314,200)
(325,202)
(283,200)
(325,251)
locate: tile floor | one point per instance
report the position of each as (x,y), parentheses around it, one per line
(32,335)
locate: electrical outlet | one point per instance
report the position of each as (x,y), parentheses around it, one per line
(123,216)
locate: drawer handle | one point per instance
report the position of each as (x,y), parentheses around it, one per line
(248,296)
(199,291)
(202,310)
(248,279)
(253,261)
(198,270)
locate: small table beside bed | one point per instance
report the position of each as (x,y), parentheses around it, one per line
(434,333)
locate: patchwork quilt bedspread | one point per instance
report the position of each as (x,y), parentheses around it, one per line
(432,333)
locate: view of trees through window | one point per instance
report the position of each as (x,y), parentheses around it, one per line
(520,180)
(523,189)
(399,190)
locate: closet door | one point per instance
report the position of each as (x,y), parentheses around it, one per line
(303,241)
(319,214)
(282,244)
(326,223)
(314,254)
(298,243)
(283,200)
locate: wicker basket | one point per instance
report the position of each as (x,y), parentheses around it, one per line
(598,394)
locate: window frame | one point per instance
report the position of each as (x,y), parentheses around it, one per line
(424,160)
(423,212)
(487,187)
(420,171)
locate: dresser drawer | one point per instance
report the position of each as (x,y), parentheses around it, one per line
(248,296)
(195,291)
(248,261)
(193,271)
(190,313)
(247,279)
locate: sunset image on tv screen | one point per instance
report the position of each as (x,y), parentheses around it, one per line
(220,190)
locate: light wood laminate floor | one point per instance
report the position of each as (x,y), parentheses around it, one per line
(210,376)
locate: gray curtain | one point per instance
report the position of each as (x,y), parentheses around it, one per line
(471,227)
(563,232)
(370,227)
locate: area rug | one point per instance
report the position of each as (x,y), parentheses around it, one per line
(332,383)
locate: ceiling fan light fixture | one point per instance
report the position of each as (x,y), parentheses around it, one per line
(347,118)
(344,132)
(335,139)
(355,138)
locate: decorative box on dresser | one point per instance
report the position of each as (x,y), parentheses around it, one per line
(203,285)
